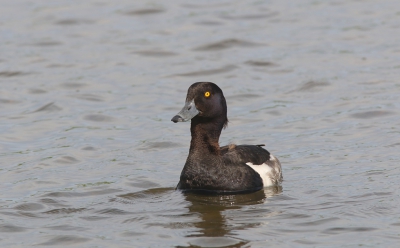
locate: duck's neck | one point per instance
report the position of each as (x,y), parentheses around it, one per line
(205,137)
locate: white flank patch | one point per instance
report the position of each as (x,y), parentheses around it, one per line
(265,172)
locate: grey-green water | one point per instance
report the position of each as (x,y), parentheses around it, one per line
(90,158)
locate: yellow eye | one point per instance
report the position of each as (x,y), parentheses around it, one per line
(207,94)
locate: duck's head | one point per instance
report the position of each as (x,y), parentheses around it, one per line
(206,102)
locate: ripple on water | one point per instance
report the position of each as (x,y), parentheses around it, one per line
(89,148)
(36,91)
(29,207)
(82,194)
(13,73)
(73,85)
(143,183)
(317,222)
(73,21)
(234,200)
(394,145)
(47,43)
(66,160)
(141,12)
(89,97)
(67,228)
(49,107)
(64,240)
(312,86)
(65,210)
(155,53)
(225,44)
(217,242)
(112,211)
(8,101)
(54,203)
(132,234)
(339,230)
(223,69)
(98,118)
(259,63)
(6,228)
(158,145)
(209,23)
(250,16)
(148,193)
(372,114)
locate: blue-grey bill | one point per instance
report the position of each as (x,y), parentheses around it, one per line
(187,113)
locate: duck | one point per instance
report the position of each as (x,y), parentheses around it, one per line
(210,168)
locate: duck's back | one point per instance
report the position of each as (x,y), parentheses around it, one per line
(259,159)
(244,154)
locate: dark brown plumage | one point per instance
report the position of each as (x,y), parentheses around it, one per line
(214,169)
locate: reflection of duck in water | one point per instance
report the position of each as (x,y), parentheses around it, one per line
(213,169)
(214,222)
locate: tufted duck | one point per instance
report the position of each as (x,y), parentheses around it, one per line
(213,169)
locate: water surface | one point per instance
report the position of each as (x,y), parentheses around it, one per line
(90,158)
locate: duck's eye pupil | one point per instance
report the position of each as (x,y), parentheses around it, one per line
(207,94)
